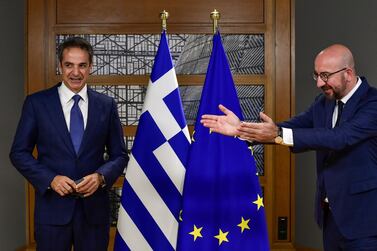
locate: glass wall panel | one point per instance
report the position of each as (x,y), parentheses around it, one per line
(134,54)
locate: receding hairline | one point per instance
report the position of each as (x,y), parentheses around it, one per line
(339,52)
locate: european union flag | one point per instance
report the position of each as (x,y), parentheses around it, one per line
(152,190)
(222,200)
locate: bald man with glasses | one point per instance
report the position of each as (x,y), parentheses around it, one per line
(341,126)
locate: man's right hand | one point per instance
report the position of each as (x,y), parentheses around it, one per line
(63,185)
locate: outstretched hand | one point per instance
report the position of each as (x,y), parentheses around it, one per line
(226,124)
(229,124)
(263,132)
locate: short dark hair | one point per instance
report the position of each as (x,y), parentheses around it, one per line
(75,42)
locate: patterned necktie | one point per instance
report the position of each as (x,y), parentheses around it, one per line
(340,110)
(76,123)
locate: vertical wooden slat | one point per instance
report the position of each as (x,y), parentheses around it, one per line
(283,188)
(35,80)
(293,105)
(36,50)
(269,109)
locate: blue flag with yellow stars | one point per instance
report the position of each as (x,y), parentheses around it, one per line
(222,200)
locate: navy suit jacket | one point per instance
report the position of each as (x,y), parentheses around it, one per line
(43,125)
(346,158)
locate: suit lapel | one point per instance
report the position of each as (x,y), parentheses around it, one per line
(329,109)
(55,112)
(349,108)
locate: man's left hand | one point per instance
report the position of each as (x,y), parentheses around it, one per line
(263,132)
(89,184)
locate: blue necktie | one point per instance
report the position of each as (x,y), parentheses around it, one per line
(76,123)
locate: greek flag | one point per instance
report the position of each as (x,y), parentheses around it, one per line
(152,190)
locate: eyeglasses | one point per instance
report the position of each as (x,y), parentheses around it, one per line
(326,75)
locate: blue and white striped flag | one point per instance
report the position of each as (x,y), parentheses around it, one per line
(152,190)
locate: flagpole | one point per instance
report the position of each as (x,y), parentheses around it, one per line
(222,206)
(164,15)
(215,16)
(152,190)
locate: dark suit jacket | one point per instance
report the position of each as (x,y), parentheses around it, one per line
(42,124)
(346,158)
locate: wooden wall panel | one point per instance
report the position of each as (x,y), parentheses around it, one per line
(36,32)
(139,12)
(283,177)
(272,18)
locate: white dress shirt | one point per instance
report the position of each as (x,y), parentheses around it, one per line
(65,95)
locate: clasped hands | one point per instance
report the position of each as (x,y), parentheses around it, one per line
(229,124)
(63,185)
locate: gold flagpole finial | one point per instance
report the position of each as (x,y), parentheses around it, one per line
(215,16)
(164,15)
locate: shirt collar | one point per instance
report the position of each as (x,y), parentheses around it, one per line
(66,94)
(349,95)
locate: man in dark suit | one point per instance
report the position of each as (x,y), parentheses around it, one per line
(341,126)
(81,152)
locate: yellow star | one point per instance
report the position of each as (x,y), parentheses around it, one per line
(244,224)
(251,148)
(197,232)
(259,202)
(180,215)
(192,137)
(222,236)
